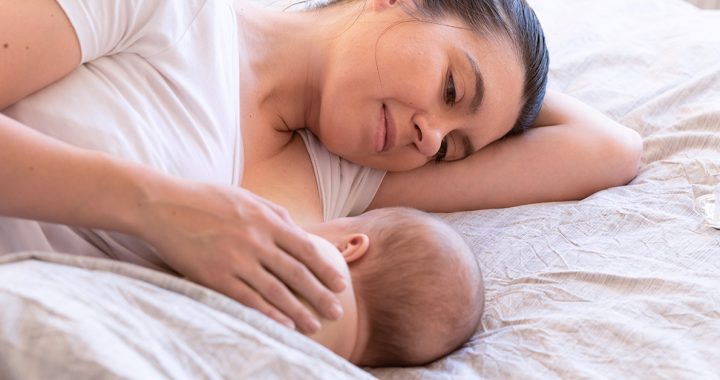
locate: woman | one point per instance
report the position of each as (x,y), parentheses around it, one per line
(424,89)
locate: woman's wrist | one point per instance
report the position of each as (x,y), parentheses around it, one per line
(134,189)
(51,181)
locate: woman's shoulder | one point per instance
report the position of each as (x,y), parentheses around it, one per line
(165,98)
(144,27)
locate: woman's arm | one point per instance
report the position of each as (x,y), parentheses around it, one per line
(37,47)
(572,152)
(223,237)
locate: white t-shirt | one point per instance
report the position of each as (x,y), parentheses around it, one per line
(159,85)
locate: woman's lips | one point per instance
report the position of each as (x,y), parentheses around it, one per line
(385,136)
(381,131)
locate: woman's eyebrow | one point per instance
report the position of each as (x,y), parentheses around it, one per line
(479,84)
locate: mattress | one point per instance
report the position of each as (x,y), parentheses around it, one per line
(622,284)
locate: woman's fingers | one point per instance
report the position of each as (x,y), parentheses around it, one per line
(296,242)
(277,294)
(274,271)
(310,265)
(279,211)
(237,289)
(247,248)
(299,278)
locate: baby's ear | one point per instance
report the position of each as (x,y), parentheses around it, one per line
(354,246)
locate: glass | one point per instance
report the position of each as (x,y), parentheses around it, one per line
(708,206)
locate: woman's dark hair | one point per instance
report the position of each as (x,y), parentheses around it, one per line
(510,19)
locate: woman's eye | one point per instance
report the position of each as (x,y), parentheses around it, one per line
(442,152)
(450,93)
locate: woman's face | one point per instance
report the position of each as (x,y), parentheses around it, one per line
(398,89)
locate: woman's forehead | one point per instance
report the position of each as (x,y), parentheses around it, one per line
(496,64)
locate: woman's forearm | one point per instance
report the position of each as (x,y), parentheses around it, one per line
(573,152)
(45,179)
(223,237)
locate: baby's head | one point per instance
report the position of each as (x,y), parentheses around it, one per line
(415,293)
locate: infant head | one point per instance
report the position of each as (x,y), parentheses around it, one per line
(417,290)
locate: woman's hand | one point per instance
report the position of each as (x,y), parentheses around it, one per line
(243,246)
(225,238)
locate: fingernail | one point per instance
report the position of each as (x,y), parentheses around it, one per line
(339,284)
(336,311)
(289,324)
(313,326)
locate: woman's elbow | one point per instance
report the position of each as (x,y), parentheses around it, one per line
(624,151)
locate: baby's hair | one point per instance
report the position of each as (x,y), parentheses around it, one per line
(420,286)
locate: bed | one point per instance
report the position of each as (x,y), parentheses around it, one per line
(622,284)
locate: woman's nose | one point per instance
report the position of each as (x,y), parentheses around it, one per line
(427,139)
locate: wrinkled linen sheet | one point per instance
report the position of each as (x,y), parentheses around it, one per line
(623,284)
(73,317)
(626,283)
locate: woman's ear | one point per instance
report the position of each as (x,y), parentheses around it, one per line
(354,246)
(378,5)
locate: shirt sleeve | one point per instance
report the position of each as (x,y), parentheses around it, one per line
(143,27)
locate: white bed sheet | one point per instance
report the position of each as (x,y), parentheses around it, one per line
(74,317)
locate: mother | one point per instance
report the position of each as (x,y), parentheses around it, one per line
(448,96)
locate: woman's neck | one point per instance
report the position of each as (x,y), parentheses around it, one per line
(283,58)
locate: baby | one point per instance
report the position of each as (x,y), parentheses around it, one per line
(415,291)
